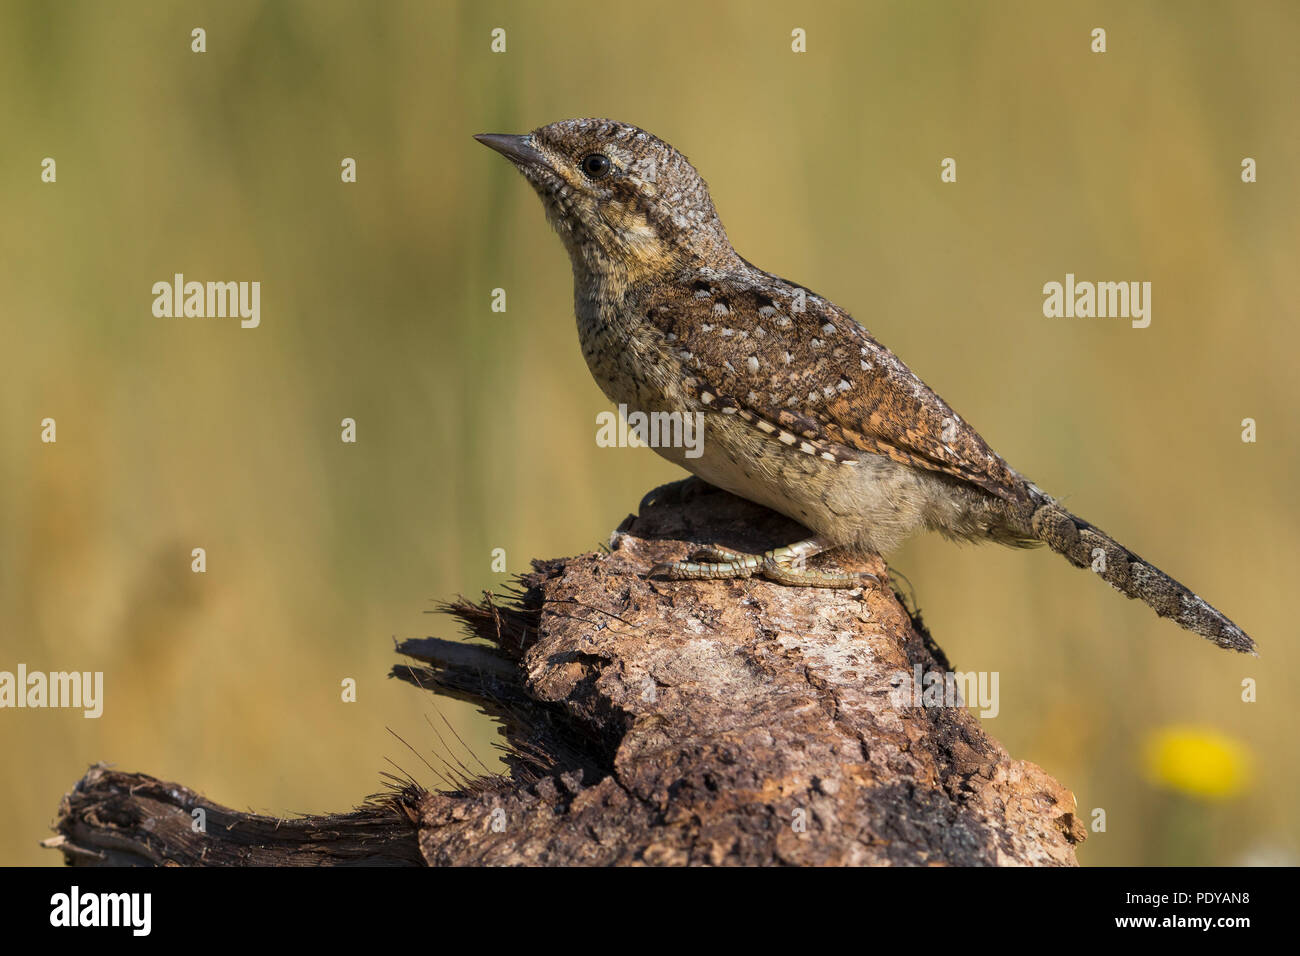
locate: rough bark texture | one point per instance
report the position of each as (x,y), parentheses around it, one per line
(658,722)
(130,819)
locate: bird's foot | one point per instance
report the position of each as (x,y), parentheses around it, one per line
(783,565)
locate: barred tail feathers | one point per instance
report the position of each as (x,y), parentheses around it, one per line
(1087,547)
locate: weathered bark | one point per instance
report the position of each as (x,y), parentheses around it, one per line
(661,722)
(130,819)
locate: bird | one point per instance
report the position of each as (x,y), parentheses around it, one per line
(804,411)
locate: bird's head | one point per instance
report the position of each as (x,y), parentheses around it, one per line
(620,198)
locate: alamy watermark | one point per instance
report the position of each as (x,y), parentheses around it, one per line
(1102,300)
(75,689)
(210,300)
(976,689)
(133,911)
(626,429)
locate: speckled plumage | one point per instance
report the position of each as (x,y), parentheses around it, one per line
(805,412)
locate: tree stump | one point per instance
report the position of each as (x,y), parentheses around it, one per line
(656,722)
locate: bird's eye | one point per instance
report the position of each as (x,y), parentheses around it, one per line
(596,166)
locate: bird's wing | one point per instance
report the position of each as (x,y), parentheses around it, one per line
(803,371)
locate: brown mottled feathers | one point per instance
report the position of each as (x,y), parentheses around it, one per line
(805,412)
(815,378)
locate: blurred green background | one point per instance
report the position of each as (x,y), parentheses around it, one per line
(476,429)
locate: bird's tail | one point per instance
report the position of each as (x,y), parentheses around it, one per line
(1087,547)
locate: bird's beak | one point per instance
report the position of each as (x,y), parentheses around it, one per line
(518,149)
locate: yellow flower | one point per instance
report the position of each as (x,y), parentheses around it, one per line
(1197,761)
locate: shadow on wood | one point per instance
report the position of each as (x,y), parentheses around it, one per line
(655,722)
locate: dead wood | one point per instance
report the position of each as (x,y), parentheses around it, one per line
(658,722)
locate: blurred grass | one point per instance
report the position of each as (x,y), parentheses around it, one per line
(476,428)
